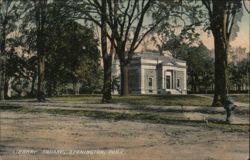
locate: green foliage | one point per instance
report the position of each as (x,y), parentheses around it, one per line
(200,64)
(140,114)
(178,18)
(12,64)
(166,100)
(70,49)
(238,75)
(243,98)
(178,34)
(73,56)
(200,68)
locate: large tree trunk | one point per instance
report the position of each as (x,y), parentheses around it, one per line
(222,18)
(124,79)
(221,44)
(220,72)
(3,61)
(107,59)
(40,24)
(107,80)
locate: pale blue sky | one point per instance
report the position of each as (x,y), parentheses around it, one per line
(243,34)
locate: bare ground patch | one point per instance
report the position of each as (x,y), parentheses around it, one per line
(135,139)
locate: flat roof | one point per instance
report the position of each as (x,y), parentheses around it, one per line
(158,56)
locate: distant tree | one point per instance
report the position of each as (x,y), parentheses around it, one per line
(40,9)
(19,69)
(95,12)
(69,62)
(200,65)
(178,34)
(180,20)
(41,16)
(35,26)
(10,13)
(200,68)
(237,75)
(69,49)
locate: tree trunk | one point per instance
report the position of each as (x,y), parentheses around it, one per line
(124,79)
(192,84)
(6,88)
(107,59)
(40,46)
(220,89)
(196,84)
(32,91)
(75,87)
(239,88)
(41,77)
(107,80)
(221,42)
(3,60)
(2,77)
(51,84)
(194,81)
(49,88)
(54,87)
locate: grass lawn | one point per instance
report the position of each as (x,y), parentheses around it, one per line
(243,98)
(166,100)
(174,118)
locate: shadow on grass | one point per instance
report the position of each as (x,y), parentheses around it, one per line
(170,110)
(145,108)
(163,100)
(243,98)
(4,149)
(8,108)
(147,117)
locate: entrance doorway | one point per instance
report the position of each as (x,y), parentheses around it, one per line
(168,81)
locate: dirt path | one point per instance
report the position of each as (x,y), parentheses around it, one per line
(199,113)
(52,136)
(239,104)
(134,140)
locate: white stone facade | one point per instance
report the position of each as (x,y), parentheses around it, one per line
(153,73)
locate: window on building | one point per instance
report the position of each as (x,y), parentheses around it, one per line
(150,82)
(178,83)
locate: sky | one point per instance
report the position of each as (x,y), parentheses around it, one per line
(242,40)
(243,35)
